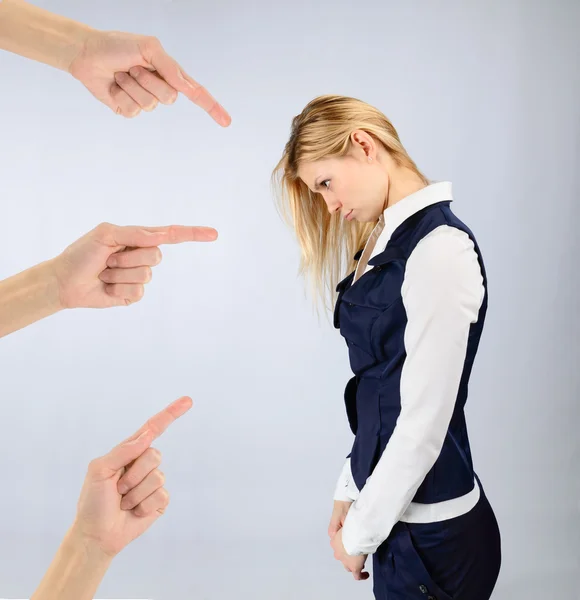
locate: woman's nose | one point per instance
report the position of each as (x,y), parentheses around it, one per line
(333,206)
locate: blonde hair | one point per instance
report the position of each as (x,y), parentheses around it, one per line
(323,130)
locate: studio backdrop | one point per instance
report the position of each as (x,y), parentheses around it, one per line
(483,94)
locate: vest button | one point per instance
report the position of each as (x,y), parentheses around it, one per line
(350,304)
(423,589)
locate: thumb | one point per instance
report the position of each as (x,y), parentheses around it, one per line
(126,452)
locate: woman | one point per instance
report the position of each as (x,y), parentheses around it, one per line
(412,311)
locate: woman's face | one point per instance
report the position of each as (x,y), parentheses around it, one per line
(352,185)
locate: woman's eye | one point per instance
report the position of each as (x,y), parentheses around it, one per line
(326,183)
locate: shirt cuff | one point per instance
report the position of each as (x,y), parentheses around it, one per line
(354,539)
(346,490)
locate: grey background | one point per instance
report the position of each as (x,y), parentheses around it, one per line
(484,94)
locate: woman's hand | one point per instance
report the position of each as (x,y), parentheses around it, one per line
(339,512)
(353,564)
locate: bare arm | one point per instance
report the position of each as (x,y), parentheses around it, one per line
(37,34)
(126,72)
(28,297)
(75,572)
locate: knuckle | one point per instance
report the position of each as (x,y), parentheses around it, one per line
(130,481)
(152,42)
(127,501)
(160,477)
(94,465)
(158,256)
(137,293)
(198,92)
(154,455)
(116,260)
(103,229)
(148,274)
(172,234)
(143,76)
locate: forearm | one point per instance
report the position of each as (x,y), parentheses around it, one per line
(28,297)
(40,35)
(76,571)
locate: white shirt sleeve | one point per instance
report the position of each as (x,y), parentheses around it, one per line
(346,489)
(442,294)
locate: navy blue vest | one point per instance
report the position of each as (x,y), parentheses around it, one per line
(371,317)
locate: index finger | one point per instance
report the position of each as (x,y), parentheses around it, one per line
(157,424)
(144,237)
(126,452)
(168,68)
(177,234)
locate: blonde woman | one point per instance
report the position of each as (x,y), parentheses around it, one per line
(411,310)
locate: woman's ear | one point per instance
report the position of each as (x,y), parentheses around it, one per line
(363,144)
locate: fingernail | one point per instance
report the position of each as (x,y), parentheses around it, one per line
(134,72)
(123,489)
(112,262)
(121,76)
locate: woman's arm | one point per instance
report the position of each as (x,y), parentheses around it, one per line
(442,294)
(40,35)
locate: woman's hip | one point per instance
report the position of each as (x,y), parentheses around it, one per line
(456,559)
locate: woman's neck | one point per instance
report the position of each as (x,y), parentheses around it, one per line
(403,183)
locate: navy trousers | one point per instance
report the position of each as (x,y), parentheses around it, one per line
(457,559)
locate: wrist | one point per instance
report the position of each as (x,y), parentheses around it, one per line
(75,572)
(52,289)
(78,543)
